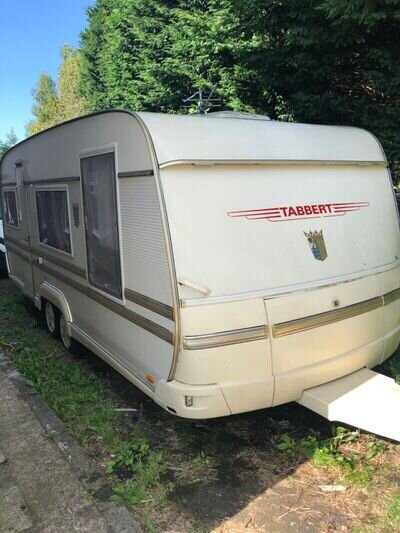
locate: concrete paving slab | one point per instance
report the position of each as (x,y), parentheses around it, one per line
(45,479)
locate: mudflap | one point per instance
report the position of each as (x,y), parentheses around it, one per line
(363,399)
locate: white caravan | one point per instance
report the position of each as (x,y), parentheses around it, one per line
(222,263)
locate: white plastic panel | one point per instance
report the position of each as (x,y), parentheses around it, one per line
(188,137)
(235,255)
(364,399)
(146,267)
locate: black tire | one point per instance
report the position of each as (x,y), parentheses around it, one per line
(67,341)
(51,314)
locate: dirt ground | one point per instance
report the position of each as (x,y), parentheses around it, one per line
(229,475)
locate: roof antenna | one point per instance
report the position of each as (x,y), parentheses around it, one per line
(203,102)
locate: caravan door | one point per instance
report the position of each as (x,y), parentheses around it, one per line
(17,232)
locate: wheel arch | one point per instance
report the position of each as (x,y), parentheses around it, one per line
(56,297)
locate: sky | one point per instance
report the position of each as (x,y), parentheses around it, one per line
(31,36)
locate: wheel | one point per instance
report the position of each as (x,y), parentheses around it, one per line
(68,342)
(51,316)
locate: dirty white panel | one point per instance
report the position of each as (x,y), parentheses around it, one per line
(364,399)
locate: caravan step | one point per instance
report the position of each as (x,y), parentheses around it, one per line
(363,399)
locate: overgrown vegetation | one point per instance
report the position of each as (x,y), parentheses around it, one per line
(80,399)
(185,476)
(340,452)
(318,61)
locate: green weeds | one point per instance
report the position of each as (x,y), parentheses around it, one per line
(146,476)
(80,399)
(338,453)
(128,455)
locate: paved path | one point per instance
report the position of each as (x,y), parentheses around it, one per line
(46,485)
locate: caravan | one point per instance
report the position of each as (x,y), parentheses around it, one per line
(222,263)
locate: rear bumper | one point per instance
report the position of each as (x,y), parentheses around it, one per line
(215,400)
(291,385)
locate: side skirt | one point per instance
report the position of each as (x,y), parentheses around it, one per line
(104,354)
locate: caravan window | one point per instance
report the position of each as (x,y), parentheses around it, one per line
(101,220)
(53,219)
(10,208)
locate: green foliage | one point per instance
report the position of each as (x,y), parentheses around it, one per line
(9,141)
(146,476)
(80,399)
(57,102)
(322,61)
(392,366)
(330,61)
(337,453)
(127,455)
(201,459)
(44,108)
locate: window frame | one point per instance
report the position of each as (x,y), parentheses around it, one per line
(93,152)
(13,190)
(54,188)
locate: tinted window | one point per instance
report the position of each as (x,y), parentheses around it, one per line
(10,208)
(53,219)
(101,220)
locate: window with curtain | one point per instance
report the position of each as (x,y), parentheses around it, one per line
(101,221)
(53,219)
(10,208)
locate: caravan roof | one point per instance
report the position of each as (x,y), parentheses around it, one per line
(207,138)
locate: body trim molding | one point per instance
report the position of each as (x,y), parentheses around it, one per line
(59,262)
(149,303)
(136,173)
(52,180)
(15,249)
(135,318)
(225,338)
(298,325)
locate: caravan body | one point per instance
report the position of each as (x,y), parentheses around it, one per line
(221,264)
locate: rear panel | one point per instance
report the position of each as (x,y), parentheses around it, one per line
(318,246)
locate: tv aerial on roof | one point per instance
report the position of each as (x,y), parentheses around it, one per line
(203,101)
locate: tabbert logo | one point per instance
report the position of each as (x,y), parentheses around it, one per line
(299,212)
(317,244)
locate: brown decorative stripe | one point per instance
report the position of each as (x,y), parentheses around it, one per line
(17,242)
(52,180)
(281,162)
(133,317)
(391,297)
(225,338)
(59,262)
(151,304)
(17,251)
(136,173)
(330,317)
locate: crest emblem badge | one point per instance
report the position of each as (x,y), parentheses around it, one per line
(317,244)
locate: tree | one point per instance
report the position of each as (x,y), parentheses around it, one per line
(70,103)
(9,141)
(57,102)
(327,61)
(322,61)
(45,105)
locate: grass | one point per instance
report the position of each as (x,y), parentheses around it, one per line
(392,368)
(80,399)
(342,453)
